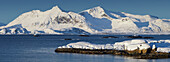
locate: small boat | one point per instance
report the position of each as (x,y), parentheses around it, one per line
(85,35)
(36,35)
(67,39)
(134,36)
(110,37)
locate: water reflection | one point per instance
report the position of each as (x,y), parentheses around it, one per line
(104,58)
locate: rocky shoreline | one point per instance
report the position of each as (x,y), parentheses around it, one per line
(137,54)
(136,48)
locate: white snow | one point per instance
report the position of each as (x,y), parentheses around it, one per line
(153,47)
(161,45)
(130,45)
(95,20)
(166,49)
(87,45)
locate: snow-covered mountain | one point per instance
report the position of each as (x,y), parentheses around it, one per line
(91,21)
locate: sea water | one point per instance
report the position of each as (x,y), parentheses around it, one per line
(27,48)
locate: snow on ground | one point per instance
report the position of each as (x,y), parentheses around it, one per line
(130,45)
(87,45)
(161,45)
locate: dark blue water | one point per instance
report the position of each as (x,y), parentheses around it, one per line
(26,48)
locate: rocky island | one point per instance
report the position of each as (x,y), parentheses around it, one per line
(138,48)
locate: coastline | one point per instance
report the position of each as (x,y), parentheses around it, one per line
(135,54)
(136,48)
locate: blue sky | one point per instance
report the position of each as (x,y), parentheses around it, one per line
(11,9)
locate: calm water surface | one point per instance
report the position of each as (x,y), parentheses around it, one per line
(26,48)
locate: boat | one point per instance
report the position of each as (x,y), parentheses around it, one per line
(36,35)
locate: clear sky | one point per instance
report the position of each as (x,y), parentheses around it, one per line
(11,9)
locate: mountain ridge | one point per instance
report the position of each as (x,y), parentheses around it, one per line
(91,21)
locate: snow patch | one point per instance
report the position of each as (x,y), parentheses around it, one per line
(130,45)
(87,45)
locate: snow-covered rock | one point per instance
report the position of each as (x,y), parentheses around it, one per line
(129,45)
(161,45)
(87,45)
(165,49)
(95,20)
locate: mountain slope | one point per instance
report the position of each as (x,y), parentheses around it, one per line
(91,21)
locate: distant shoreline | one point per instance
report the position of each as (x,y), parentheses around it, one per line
(89,34)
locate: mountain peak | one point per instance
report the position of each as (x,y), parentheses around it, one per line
(55,8)
(99,8)
(96,12)
(95,20)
